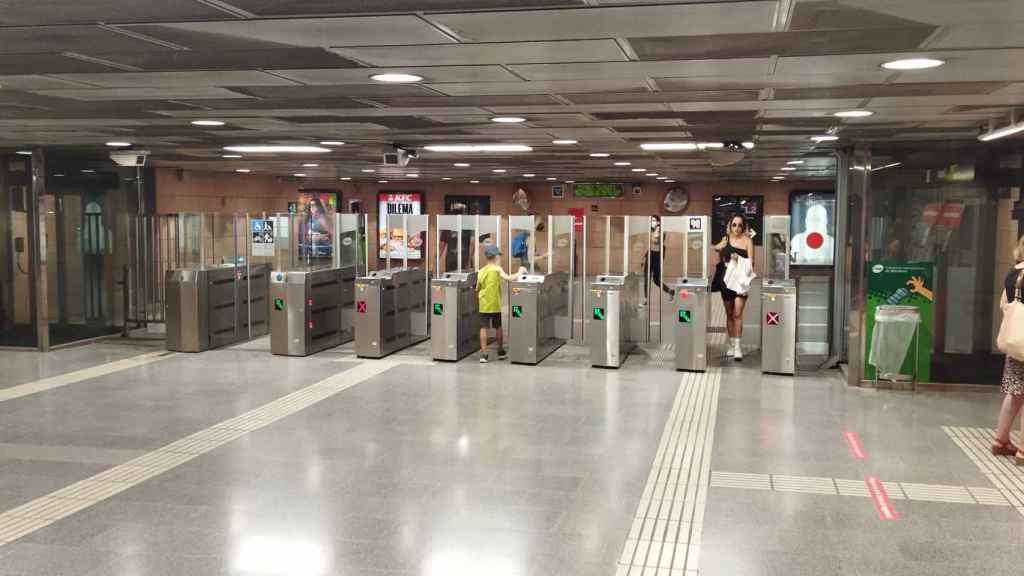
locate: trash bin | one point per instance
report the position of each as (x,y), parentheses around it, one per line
(896,328)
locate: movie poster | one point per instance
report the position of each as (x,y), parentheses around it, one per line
(392,241)
(316,209)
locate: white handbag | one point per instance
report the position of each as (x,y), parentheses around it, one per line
(1011,332)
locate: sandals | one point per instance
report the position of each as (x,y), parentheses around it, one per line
(1006,448)
(1018,458)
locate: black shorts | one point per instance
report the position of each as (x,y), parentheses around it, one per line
(490,319)
(730,296)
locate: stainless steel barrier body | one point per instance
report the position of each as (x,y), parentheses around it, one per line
(390,311)
(210,307)
(454,326)
(309,310)
(613,302)
(536,302)
(692,303)
(778,326)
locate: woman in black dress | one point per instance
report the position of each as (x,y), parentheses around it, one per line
(1013,375)
(735,244)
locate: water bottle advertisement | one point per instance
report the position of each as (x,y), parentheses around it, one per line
(902,284)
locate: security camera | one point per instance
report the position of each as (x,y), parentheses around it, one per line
(129,157)
(400,157)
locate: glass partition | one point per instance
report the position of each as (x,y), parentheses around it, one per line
(489,232)
(17,325)
(636,262)
(776,266)
(448,244)
(560,251)
(522,242)
(350,244)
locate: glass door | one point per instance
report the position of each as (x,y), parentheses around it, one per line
(17,326)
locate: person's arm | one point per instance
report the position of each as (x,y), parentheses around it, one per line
(718,247)
(750,253)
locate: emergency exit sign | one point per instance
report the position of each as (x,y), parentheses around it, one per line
(598,313)
(438,309)
(517,311)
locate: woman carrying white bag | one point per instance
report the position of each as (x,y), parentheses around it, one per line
(1011,342)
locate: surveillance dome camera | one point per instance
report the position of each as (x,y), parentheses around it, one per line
(129,157)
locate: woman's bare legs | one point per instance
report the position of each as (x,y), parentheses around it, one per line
(1007,414)
(737,318)
(728,317)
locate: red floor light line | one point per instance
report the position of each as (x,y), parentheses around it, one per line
(881,499)
(853,443)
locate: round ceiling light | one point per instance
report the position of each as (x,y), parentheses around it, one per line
(461,164)
(299,175)
(528,175)
(396,78)
(853,114)
(345,178)
(551,179)
(787,168)
(474,181)
(623,163)
(638,170)
(508,119)
(310,165)
(565,142)
(599,155)
(499,170)
(913,64)
(242,170)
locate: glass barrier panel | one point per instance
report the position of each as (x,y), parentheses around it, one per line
(447,244)
(521,231)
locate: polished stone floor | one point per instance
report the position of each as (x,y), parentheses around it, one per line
(116,459)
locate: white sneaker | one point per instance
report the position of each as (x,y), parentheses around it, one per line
(737,351)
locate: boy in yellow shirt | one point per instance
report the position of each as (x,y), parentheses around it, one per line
(488,289)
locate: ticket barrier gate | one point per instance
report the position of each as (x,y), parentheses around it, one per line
(311,310)
(455,320)
(536,301)
(612,304)
(692,304)
(387,302)
(778,328)
(210,307)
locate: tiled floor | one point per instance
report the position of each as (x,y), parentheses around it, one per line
(237,462)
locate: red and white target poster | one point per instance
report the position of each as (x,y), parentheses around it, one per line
(812,228)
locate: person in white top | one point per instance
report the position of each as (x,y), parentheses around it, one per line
(735,244)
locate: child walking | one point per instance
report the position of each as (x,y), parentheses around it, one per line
(488,287)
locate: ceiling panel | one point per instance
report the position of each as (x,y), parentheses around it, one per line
(166,92)
(326,32)
(680,68)
(961,66)
(347,91)
(308,7)
(36,82)
(35,12)
(719,83)
(825,15)
(941,12)
(177,79)
(47,64)
(56,39)
(484,101)
(991,35)
(431,75)
(690,96)
(888,90)
(545,87)
(491,53)
(805,43)
(610,22)
(225,59)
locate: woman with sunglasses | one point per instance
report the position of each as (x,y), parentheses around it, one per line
(735,244)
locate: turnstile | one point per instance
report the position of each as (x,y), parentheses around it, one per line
(536,302)
(778,326)
(310,310)
(390,311)
(612,304)
(692,304)
(454,323)
(210,307)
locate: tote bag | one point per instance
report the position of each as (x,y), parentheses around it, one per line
(1011,332)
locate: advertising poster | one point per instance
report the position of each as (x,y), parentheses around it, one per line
(316,223)
(262,237)
(903,284)
(750,207)
(812,228)
(392,241)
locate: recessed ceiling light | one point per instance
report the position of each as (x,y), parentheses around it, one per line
(231,156)
(599,154)
(854,113)
(332,143)
(412,175)
(651,174)
(913,64)
(748,145)
(345,178)
(710,145)
(207,122)
(368,170)
(299,175)
(24,152)
(795,162)
(242,170)
(58,175)
(825,138)
(638,170)
(661,146)
(277,149)
(551,179)
(499,170)
(623,163)
(310,165)
(382,181)
(396,78)
(508,119)
(88,171)
(119,144)
(446,178)
(787,168)
(461,165)
(528,175)
(669,181)
(570,181)
(778,177)
(565,142)
(662,178)
(474,181)
(478,148)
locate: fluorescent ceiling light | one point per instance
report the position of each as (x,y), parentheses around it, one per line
(662,178)
(368,170)
(310,165)
(474,181)
(565,142)
(508,119)
(825,138)
(892,165)
(461,165)
(231,156)
(623,163)
(913,64)
(787,168)
(551,179)
(795,162)
(207,122)
(710,145)
(396,78)
(478,148)
(24,152)
(778,177)
(277,149)
(854,113)
(345,178)
(118,144)
(88,171)
(299,175)
(528,175)
(748,145)
(599,154)
(638,170)
(670,181)
(332,143)
(413,175)
(242,170)
(662,146)
(570,181)
(1002,132)
(499,170)
(651,174)
(446,178)
(382,181)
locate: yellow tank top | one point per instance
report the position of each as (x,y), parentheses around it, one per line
(488,281)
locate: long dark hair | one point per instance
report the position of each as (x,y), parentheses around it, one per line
(743,221)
